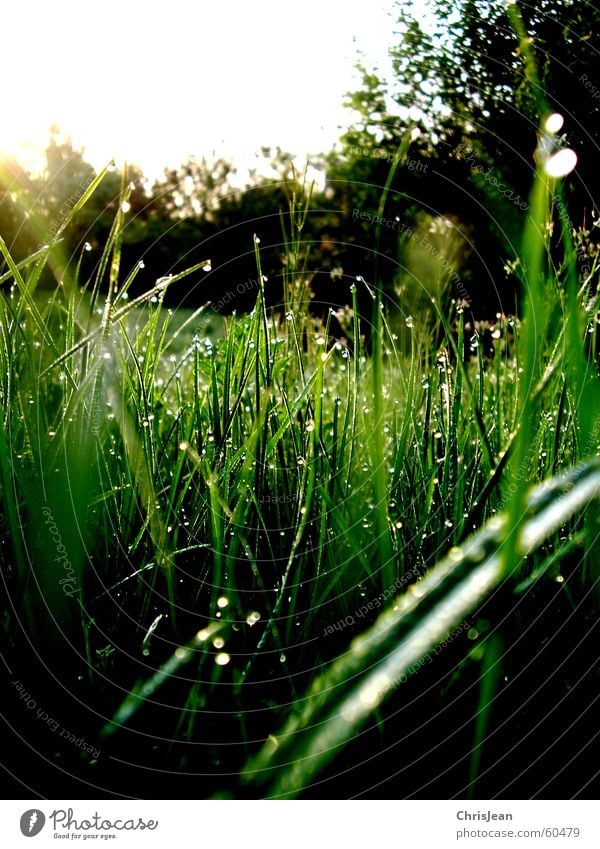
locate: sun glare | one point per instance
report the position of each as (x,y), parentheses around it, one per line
(151,86)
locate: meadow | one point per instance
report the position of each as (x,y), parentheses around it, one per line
(278,561)
(299,552)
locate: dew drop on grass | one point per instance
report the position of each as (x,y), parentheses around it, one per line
(218,642)
(554,123)
(282,658)
(252,618)
(222,659)
(222,602)
(561,163)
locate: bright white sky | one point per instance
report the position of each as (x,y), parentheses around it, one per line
(154,82)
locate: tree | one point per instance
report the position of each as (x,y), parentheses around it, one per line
(459,75)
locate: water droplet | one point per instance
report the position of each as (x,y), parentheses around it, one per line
(561,163)
(222,659)
(222,602)
(553,123)
(207,265)
(252,618)
(282,658)
(218,642)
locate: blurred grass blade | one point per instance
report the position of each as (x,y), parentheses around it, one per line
(346,695)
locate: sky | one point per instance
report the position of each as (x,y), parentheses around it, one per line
(156,82)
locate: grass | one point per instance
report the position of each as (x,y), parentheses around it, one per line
(199,536)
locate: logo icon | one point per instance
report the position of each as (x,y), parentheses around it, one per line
(32,822)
